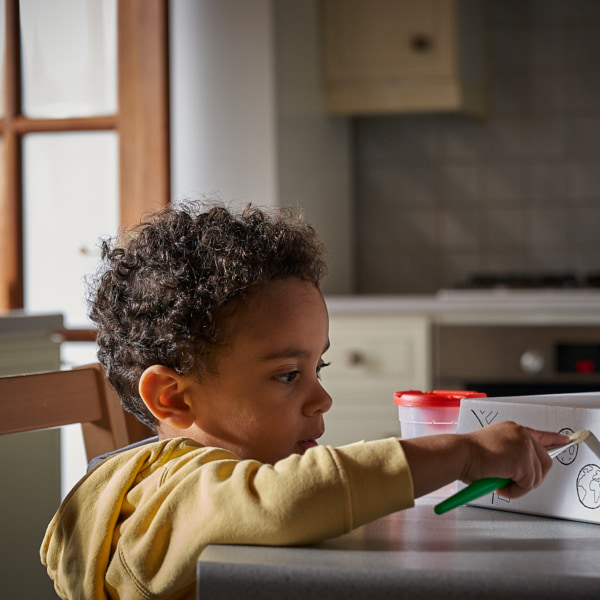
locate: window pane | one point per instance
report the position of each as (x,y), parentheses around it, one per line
(2,53)
(69,58)
(70,201)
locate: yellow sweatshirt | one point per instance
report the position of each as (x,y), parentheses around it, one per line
(135,525)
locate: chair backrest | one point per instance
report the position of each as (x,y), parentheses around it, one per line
(82,395)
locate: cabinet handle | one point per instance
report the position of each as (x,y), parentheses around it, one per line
(355,358)
(421,42)
(532,362)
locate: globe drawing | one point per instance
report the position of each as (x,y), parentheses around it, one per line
(570,454)
(588,486)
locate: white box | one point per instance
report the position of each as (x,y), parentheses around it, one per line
(571,489)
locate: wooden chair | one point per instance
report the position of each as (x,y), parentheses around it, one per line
(54,398)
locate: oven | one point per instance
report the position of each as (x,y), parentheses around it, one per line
(516,359)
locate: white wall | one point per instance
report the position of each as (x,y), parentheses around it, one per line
(313,149)
(222,100)
(247,121)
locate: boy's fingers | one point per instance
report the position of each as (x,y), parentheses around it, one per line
(539,466)
(548,438)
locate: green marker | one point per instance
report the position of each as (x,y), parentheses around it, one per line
(471,492)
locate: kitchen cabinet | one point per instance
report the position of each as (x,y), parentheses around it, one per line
(372,356)
(386,56)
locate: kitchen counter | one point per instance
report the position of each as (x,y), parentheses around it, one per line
(480,306)
(467,553)
(28,342)
(21,322)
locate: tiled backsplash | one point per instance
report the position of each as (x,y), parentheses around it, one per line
(439,197)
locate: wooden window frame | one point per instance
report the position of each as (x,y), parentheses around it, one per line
(141,123)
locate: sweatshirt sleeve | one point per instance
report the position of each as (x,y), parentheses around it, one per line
(324,493)
(180,499)
(301,499)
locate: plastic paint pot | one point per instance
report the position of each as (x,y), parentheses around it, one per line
(427,413)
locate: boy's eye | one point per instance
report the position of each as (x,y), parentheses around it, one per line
(321,366)
(287,377)
(291,375)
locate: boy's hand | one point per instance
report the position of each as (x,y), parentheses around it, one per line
(502,450)
(512,451)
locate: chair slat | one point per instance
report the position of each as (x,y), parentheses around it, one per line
(41,400)
(82,395)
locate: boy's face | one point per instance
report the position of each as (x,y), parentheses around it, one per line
(266,401)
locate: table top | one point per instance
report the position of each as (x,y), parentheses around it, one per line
(466,553)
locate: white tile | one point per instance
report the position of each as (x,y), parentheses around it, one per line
(546,182)
(460,139)
(545,93)
(551,227)
(459,185)
(503,138)
(545,136)
(545,48)
(504,229)
(583,179)
(506,50)
(459,229)
(583,135)
(507,93)
(502,184)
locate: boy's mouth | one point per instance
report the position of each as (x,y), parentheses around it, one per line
(304,445)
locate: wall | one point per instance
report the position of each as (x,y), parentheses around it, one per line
(222,100)
(247,121)
(439,197)
(313,149)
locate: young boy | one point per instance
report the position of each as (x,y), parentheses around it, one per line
(212,328)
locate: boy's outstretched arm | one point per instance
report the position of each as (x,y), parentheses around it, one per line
(501,450)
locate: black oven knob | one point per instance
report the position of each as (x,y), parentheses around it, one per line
(532,362)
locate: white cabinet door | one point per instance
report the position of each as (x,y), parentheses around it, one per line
(371,358)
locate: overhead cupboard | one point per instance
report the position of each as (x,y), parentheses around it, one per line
(385,56)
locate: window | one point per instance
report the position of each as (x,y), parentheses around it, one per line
(84,136)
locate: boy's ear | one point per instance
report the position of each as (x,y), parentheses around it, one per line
(162,390)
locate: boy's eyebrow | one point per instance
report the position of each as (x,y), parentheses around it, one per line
(291,352)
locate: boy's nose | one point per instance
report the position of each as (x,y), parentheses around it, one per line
(319,401)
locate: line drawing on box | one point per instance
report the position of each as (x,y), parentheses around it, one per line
(587,481)
(570,454)
(487,416)
(588,486)
(497,498)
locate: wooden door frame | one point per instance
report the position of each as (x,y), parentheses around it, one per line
(141,122)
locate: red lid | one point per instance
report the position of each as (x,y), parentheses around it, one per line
(436,398)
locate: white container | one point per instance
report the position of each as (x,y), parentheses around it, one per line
(430,413)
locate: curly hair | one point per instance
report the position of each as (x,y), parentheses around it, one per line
(157,299)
